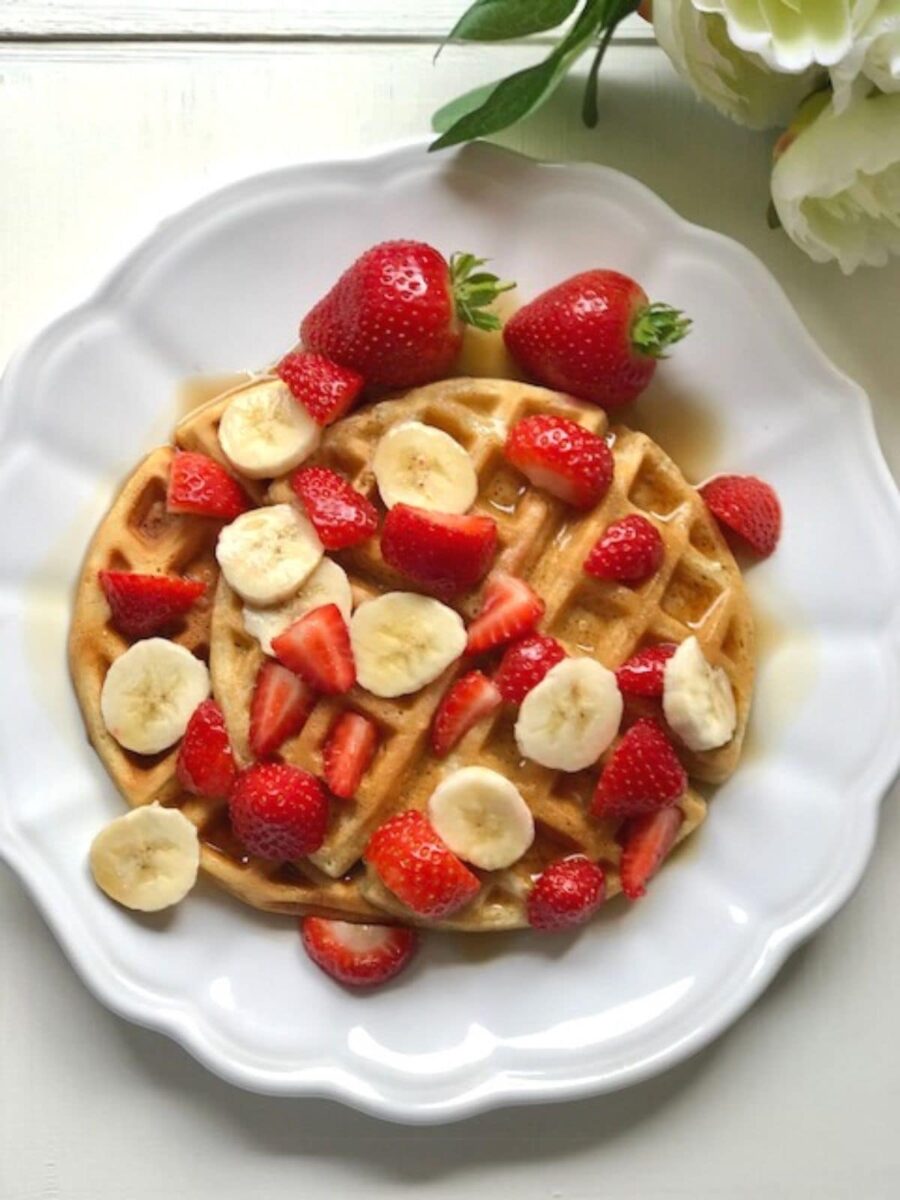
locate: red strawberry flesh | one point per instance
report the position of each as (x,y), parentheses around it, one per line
(413,863)
(748,507)
(358,956)
(644,673)
(443,552)
(326,390)
(340,514)
(144,604)
(200,486)
(278,812)
(630,551)
(646,841)
(279,709)
(205,764)
(562,457)
(510,609)
(566,893)
(469,699)
(317,647)
(348,753)
(643,774)
(524,665)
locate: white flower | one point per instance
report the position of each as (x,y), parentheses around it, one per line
(740,85)
(791,35)
(874,57)
(836,187)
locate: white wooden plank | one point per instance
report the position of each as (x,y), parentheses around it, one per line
(427,20)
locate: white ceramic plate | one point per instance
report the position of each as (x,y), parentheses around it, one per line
(520,1018)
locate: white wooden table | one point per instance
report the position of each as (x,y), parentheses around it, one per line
(108,111)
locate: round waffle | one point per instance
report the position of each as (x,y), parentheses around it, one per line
(698,590)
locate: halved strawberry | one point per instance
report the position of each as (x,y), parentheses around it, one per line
(748,507)
(340,514)
(144,604)
(200,485)
(278,811)
(468,700)
(325,389)
(643,775)
(413,862)
(643,673)
(525,664)
(205,764)
(358,955)
(510,609)
(645,843)
(630,551)
(566,893)
(281,704)
(445,552)
(349,752)
(317,647)
(562,457)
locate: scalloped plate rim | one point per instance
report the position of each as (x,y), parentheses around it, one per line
(179,1019)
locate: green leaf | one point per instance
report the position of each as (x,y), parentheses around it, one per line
(451,112)
(494,20)
(520,94)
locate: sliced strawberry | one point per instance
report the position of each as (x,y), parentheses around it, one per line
(279,812)
(325,390)
(469,699)
(630,551)
(646,841)
(643,673)
(349,752)
(748,507)
(317,647)
(281,704)
(566,893)
(445,552)
(199,485)
(413,862)
(525,664)
(340,514)
(510,609)
(562,457)
(358,955)
(205,764)
(642,776)
(143,604)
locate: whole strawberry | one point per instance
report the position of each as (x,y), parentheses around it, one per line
(397,314)
(595,335)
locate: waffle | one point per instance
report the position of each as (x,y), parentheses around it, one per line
(697,591)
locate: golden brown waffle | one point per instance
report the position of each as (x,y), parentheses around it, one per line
(698,590)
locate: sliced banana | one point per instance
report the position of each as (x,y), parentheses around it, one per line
(268,553)
(419,465)
(265,432)
(149,693)
(698,700)
(402,641)
(147,859)
(570,718)
(328,584)
(482,817)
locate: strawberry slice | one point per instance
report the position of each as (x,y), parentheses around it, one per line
(643,674)
(413,862)
(468,700)
(643,775)
(201,486)
(317,647)
(281,704)
(562,457)
(646,841)
(748,507)
(143,604)
(357,955)
(340,514)
(325,390)
(630,551)
(566,893)
(205,764)
(278,811)
(444,552)
(510,609)
(349,752)
(525,664)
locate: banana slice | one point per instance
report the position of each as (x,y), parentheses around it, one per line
(402,641)
(423,466)
(265,432)
(482,818)
(149,694)
(328,584)
(268,553)
(147,859)
(570,718)
(698,700)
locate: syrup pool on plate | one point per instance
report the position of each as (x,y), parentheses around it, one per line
(195,390)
